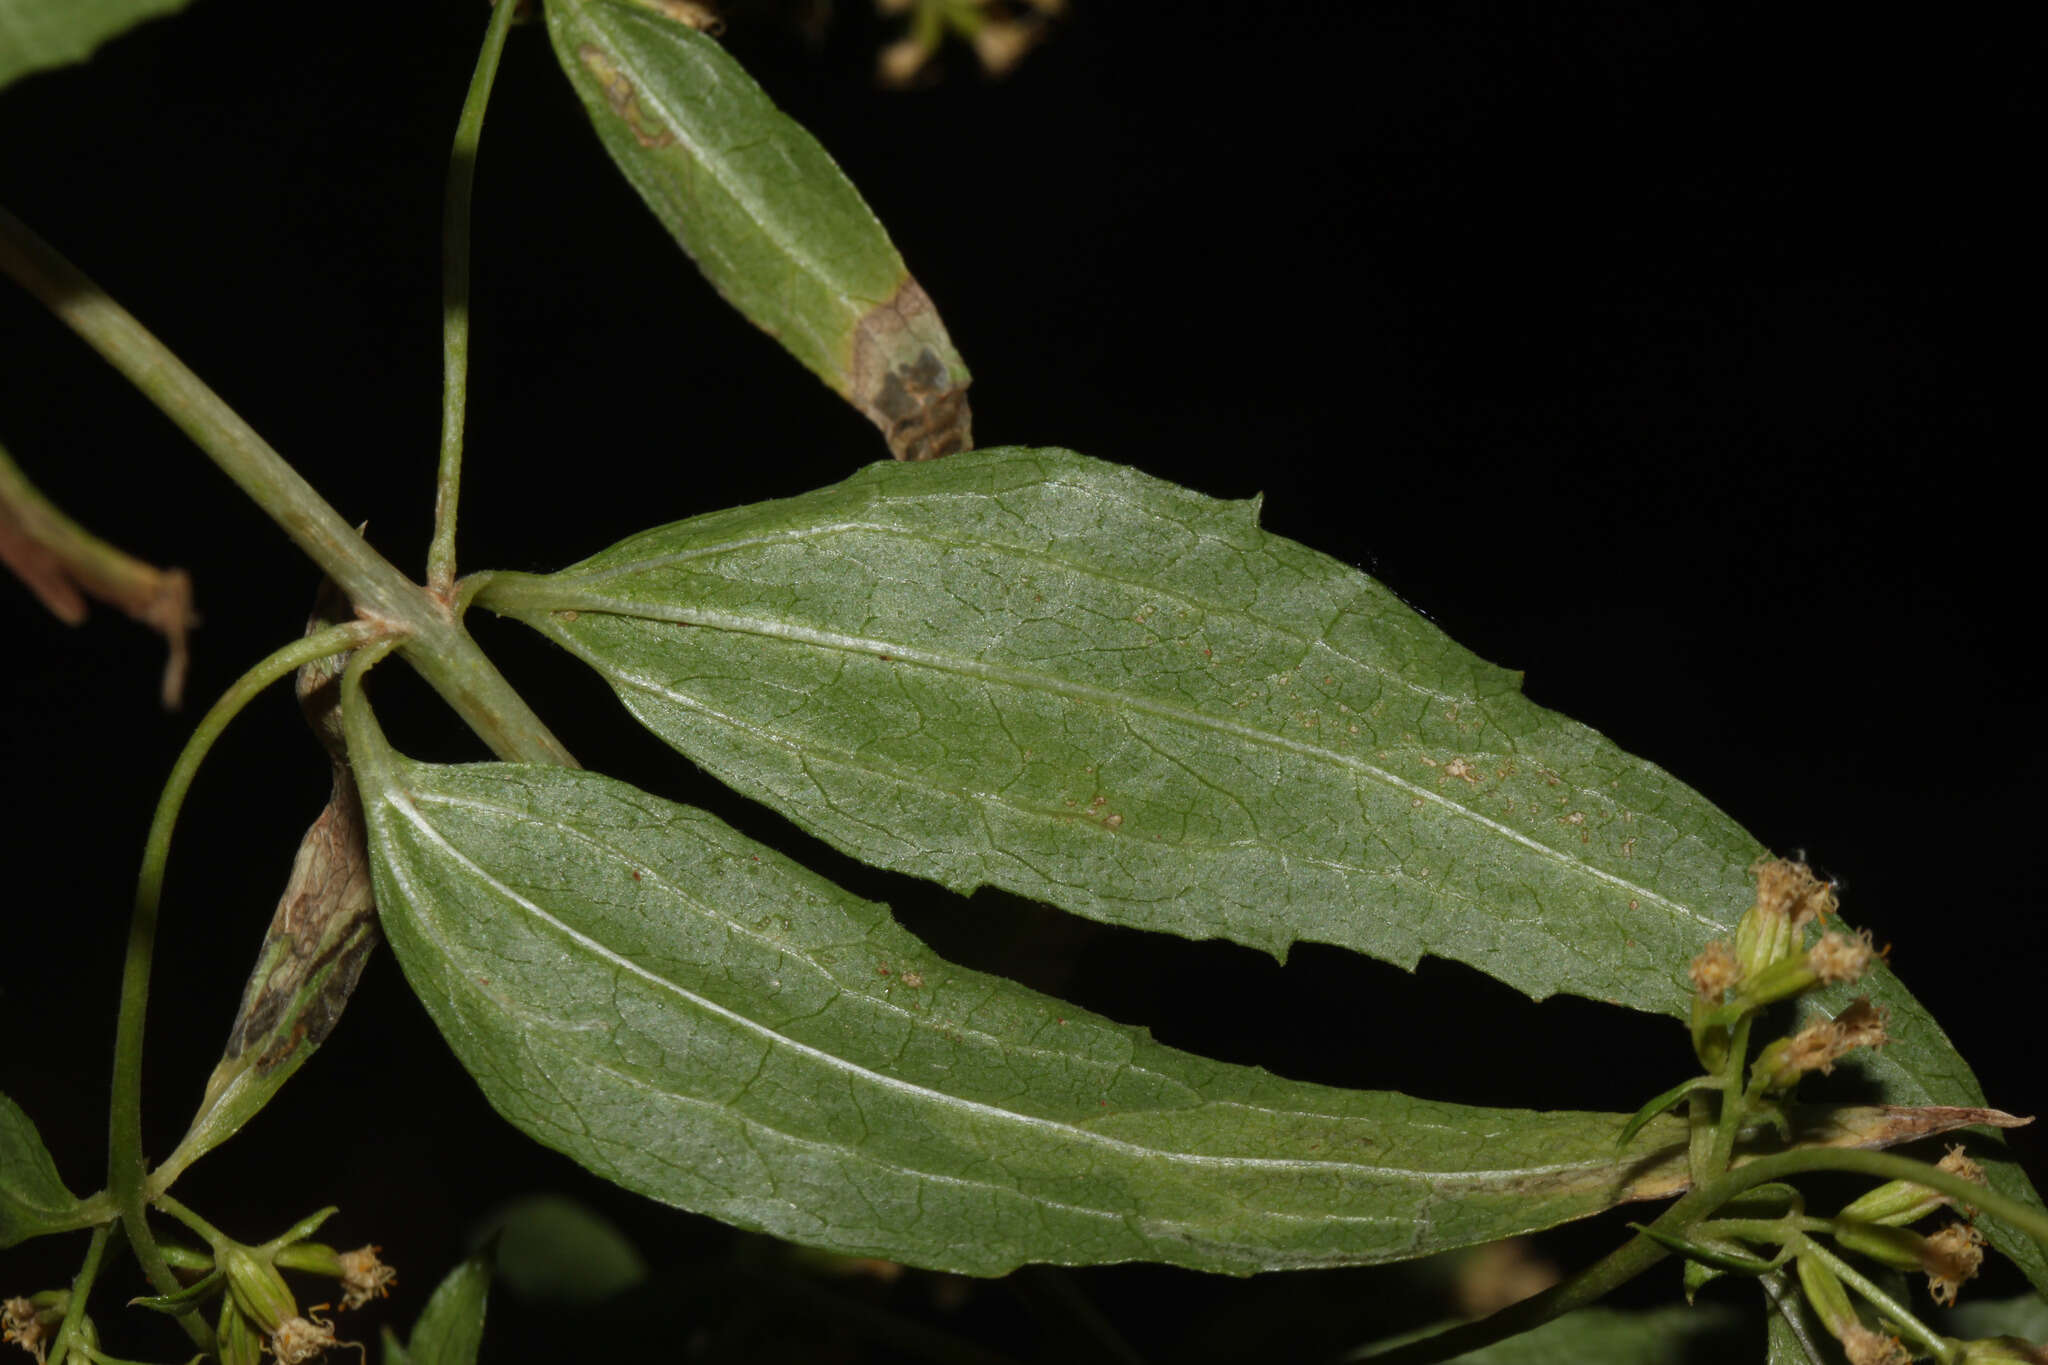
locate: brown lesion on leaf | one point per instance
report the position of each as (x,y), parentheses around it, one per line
(325,923)
(687,13)
(326,919)
(621,96)
(903,384)
(64,564)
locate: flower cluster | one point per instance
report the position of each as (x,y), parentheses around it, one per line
(1001,32)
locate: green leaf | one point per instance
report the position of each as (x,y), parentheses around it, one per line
(767,216)
(1792,1335)
(38,34)
(2025,1317)
(33,1200)
(1033,670)
(553,1248)
(1605,1336)
(698,1019)
(451,1326)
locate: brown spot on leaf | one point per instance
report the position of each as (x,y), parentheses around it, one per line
(620,95)
(687,12)
(899,379)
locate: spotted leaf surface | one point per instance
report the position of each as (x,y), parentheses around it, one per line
(765,213)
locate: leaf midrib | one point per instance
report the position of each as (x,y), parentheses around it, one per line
(1025,680)
(1223,611)
(408,811)
(770,225)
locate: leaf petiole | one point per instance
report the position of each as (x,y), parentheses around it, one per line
(455,299)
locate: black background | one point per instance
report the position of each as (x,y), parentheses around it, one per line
(1668,353)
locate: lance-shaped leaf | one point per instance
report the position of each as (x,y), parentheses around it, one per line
(33,1199)
(320,935)
(696,1018)
(768,217)
(451,1327)
(1033,670)
(35,34)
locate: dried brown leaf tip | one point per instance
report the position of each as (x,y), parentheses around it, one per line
(908,379)
(64,564)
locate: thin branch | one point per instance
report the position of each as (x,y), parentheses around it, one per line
(455,300)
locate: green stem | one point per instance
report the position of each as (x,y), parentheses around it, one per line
(81,1289)
(436,643)
(455,300)
(1900,1316)
(206,1231)
(1728,1122)
(126,1167)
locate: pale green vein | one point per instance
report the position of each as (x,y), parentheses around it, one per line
(562,597)
(939,1098)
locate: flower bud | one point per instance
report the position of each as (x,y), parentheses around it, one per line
(236,1338)
(1899,1248)
(1899,1202)
(1824,1291)
(1787,896)
(257,1289)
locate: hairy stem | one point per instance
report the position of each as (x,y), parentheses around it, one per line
(126,1167)
(436,644)
(455,300)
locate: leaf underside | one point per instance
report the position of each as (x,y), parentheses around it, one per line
(39,34)
(767,215)
(33,1199)
(696,1018)
(1033,670)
